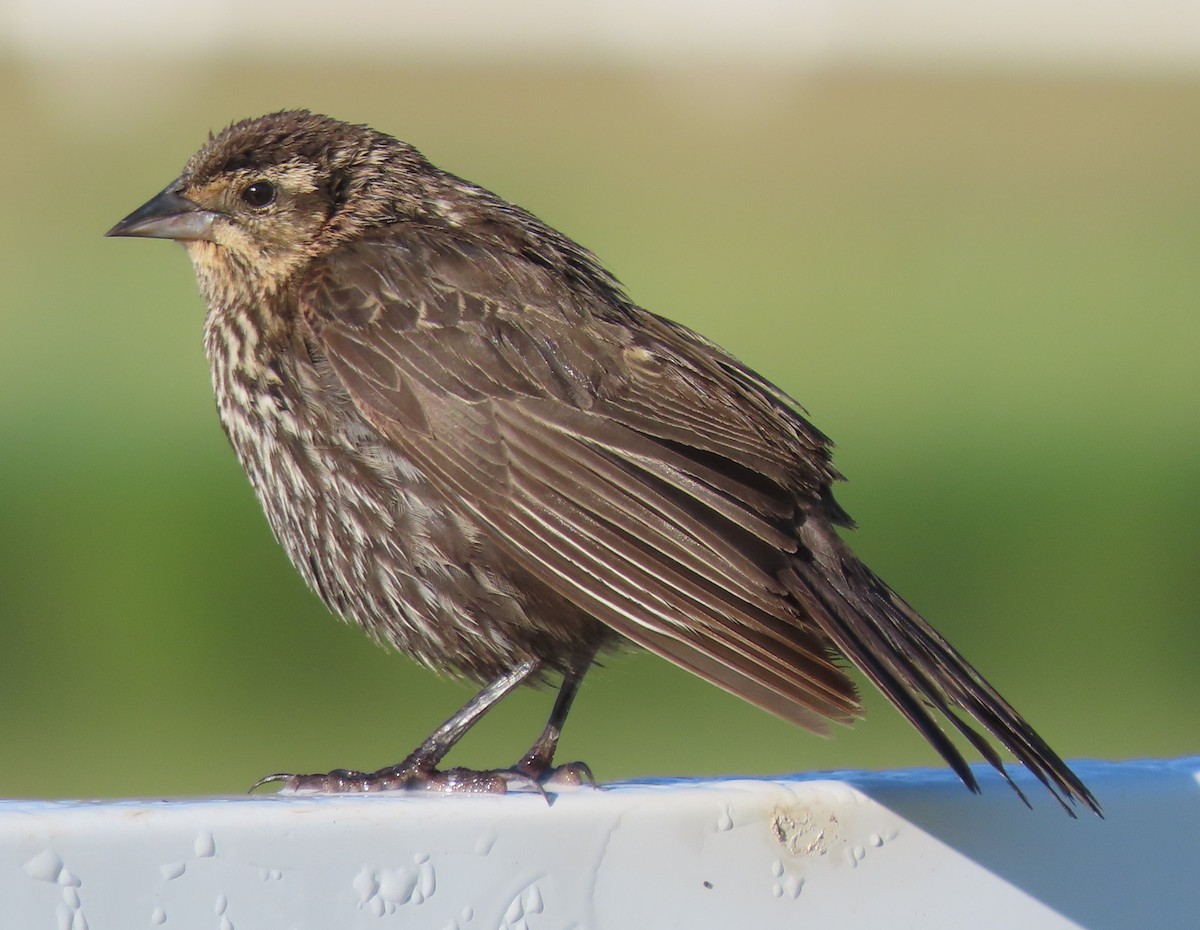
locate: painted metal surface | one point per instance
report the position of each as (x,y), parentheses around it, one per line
(894,849)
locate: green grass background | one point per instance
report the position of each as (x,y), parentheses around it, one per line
(983,287)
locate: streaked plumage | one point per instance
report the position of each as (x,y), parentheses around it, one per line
(472,444)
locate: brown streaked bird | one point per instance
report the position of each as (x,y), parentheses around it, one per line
(472,444)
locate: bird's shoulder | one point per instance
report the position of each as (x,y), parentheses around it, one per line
(464,314)
(414,276)
(428,316)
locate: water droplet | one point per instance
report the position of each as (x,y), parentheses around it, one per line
(366,884)
(64,916)
(205,846)
(396,885)
(158,917)
(777,890)
(777,868)
(532,901)
(221,905)
(226,923)
(67,877)
(725,821)
(44,867)
(428,880)
(79,922)
(172,870)
(484,844)
(792,886)
(860,853)
(70,896)
(377,906)
(875,839)
(468,913)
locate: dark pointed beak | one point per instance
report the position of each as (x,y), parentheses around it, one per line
(167,216)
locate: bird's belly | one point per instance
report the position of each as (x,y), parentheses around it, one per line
(384,549)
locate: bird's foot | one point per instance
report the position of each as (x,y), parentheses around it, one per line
(415,775)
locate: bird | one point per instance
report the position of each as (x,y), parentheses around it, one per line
(475,446)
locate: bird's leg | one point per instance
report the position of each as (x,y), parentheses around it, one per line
(538,763)
(419,770)
(444,738)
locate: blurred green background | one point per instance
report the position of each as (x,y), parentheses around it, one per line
(984,287)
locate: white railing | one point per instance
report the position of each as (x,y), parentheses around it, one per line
(879,850)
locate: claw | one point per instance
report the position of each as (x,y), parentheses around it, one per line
(567,775)
(570,775)
(268,779)
(339,781)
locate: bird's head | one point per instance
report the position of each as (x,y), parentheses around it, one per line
(264,197)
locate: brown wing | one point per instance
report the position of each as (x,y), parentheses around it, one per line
(640,472)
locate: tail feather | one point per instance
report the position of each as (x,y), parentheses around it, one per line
(916,669)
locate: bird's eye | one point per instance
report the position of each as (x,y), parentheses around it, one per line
(259,194)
